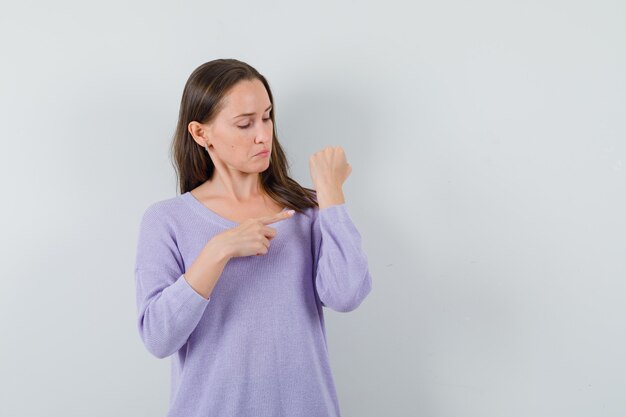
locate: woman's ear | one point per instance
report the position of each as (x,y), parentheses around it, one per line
(199,133)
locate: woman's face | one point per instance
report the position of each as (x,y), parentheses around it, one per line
(242,128)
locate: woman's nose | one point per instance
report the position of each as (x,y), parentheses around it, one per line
(264,134)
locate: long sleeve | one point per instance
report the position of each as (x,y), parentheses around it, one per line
(340,267)
(169,309)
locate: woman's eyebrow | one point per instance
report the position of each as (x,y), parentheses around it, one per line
(251,114)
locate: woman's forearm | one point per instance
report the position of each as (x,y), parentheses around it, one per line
(206,270)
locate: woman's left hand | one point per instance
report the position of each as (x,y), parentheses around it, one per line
(329,170)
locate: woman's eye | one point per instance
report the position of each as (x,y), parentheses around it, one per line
(249,124)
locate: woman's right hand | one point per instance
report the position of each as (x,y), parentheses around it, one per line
(252,237)
(248,238)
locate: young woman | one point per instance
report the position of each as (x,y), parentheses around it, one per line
(232,274)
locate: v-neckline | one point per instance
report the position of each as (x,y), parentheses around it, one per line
(209,214)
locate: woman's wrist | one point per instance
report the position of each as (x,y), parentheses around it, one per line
(330,196)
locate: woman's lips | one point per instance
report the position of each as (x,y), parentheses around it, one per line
(264,153)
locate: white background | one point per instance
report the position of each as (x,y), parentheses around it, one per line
(487,140)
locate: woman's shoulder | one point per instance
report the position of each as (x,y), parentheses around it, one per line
(164,209)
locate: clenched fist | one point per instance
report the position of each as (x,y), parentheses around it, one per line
(329,170)
(329,167)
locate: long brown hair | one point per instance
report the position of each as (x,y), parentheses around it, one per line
(201,101)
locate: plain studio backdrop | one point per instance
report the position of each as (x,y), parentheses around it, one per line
(487,141)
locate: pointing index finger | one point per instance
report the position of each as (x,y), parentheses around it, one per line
(278,216)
